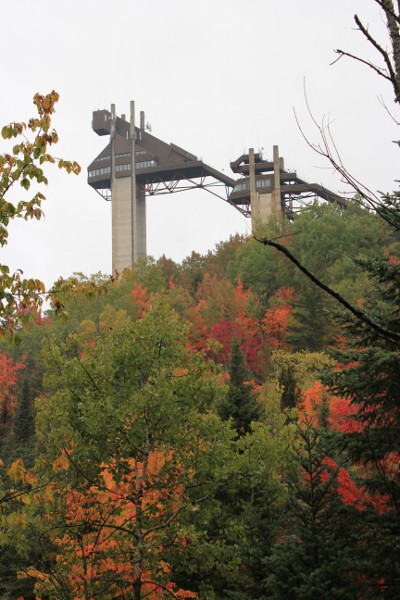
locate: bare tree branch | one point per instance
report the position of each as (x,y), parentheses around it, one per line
(361,60)
(385,106)
(391,59)
(328,150)
(393,76)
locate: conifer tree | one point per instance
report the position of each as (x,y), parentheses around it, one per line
(308,328)
(24,422)
(369,375)
(315,555)
(291,393)
(240,403)
(370,378)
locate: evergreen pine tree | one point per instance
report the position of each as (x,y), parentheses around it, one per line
(288,382)
(20,445)
(24,425)
(315,555)
(309,327)
(240,404)
(24,422)
(370,378)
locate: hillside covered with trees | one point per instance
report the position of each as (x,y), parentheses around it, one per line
(208,429)
(222,428)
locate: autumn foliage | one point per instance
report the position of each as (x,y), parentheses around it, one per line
(95,543)
(9,372)
(149,481)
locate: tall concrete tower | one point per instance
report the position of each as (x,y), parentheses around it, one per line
(113,174)
(128,199)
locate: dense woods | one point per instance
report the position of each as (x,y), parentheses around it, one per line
(211,429)
(216,429)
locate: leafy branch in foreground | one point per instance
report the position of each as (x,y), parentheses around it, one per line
(23,165)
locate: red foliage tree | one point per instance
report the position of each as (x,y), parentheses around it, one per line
(140,298)
(8,381)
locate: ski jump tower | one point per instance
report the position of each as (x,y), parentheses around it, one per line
(135,163)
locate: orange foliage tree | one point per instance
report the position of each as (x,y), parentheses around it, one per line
(276,318)
(97,528)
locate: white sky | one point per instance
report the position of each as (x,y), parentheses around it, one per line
(214,77)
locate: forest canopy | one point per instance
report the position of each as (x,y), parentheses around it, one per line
(189,439)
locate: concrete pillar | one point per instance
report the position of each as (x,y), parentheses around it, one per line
(264,205)
(138,197)
(140,223)
(128,205)
(120,211)
(276,194)
(133,185)
(253,191)
(121,224)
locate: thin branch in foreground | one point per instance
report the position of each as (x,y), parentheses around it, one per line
(384,54)
(385,106)
(377,70)
(328,150)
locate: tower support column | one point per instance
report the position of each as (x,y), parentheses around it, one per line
(264,205)
(128,205)
(276,208)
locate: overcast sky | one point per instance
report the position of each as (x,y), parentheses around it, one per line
(215,77)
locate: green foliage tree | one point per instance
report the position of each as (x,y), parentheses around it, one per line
(221,261)
(192,270)
(289,386)
(305,367)
(242,519)
(327,238)
(264,272)
(170,270)
(132,411)
(309,326)
(24,441)
(232,534)
(11,585)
